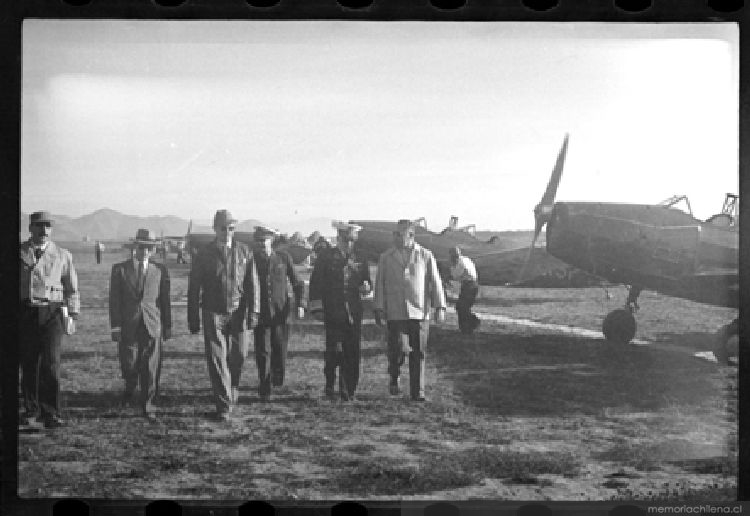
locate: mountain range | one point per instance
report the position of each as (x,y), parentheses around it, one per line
(108,224)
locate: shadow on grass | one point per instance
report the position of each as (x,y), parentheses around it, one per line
(698,341)
(521,301)
(446,470)
(112,399)
(556,375)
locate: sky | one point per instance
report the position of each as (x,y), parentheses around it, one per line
(291,120)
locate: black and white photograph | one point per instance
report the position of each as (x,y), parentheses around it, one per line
(382,261)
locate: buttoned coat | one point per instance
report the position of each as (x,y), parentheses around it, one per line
(52,278)
(275,286)
(406,288)
(222,285)
(335,282)
(128,305)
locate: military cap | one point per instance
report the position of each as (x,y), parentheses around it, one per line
(409,224)
(41,217)
(262,233)
(223,218)
(145,237)
(346,228)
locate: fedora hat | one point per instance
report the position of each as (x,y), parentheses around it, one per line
(41,217)
(223,218)
(145,237)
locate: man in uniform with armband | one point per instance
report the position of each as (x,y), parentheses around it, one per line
(338,281)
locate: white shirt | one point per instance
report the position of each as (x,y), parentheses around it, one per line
(464,270)
(137,263)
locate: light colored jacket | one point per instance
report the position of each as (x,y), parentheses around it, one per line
(52,279)
(408,288)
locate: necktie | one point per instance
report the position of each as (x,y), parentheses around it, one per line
(38,252)
(141,276)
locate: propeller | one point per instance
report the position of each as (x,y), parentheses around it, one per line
(543,210)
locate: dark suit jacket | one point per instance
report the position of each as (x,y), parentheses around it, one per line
(220,285)
(128,307)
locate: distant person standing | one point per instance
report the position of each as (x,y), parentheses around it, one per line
(340,277)
(98,249)
(223,289)
(464,272)
(49,299)
(141,319)
(407,285)
(276,276)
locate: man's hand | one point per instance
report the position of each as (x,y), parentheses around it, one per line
(300,312)
(365,288)
(379,317)
(439,315)
(166,333)
(116,337)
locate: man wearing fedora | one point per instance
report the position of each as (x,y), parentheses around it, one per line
(223,290)
(339,280)
(407,286)
(49,295)
(276,276)
(140,316)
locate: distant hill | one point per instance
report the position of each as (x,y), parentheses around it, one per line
(108,224)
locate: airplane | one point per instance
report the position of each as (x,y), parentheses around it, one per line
(657,247)
(377,235)
(643,246)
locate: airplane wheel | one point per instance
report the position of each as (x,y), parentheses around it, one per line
(727,346)
(619,326)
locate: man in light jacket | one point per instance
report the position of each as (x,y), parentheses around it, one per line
(407,286)
(49,291)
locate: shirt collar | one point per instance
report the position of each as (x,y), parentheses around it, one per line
(137,263)
(43,247)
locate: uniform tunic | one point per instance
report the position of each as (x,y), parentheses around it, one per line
(276,277)
(335,283)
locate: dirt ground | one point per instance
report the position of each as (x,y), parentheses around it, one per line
(513,412)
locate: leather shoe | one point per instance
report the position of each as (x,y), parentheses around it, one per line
(394,388)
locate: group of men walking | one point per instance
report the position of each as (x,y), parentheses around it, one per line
(231,290)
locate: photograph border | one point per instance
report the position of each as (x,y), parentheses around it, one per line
(12,15)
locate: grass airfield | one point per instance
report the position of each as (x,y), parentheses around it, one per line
(513,412)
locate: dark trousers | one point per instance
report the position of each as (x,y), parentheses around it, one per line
(416,332)
(343,349)
(270,342)
(98,254)
(41,338)
(467,321)
(226,349)
(140,362)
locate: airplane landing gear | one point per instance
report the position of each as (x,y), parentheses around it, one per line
(726,348)
(619,325)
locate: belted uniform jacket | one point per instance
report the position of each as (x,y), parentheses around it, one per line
(276,276)
(52,279)
(335,282)
(222,284)
(408,284)
(131,304)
